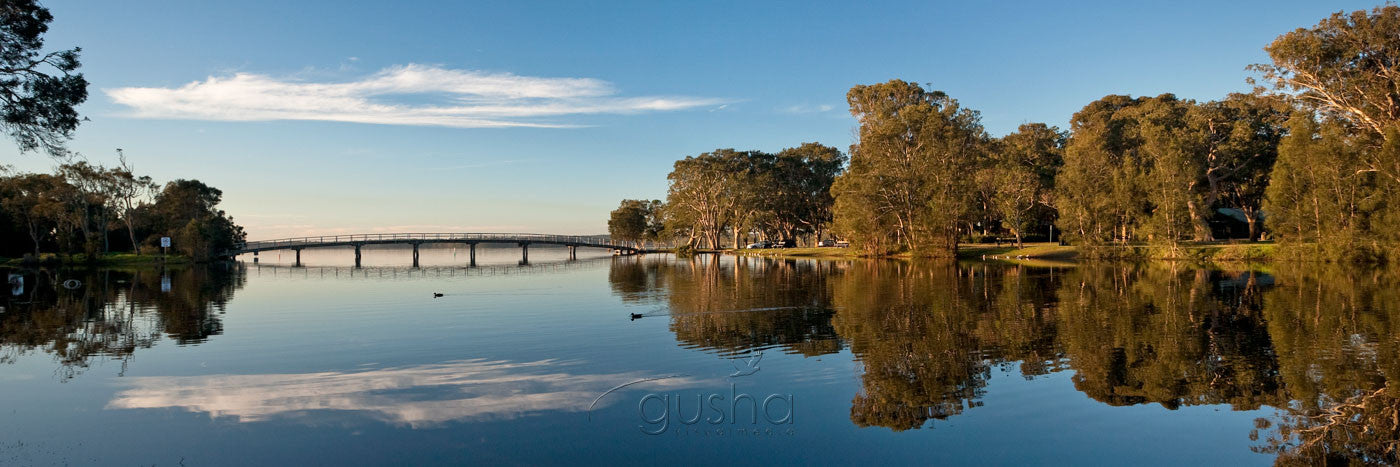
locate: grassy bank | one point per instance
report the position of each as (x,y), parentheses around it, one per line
(1053,251)
(805,252)
(1203,252)
(106,260)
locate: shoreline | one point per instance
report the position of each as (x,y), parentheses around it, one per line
(1251,252)
(105,260)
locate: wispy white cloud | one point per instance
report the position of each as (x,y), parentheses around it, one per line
(411,94)
(806,109)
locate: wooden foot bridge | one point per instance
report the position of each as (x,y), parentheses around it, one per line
(523,240)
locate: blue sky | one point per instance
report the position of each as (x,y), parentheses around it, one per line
(326,117)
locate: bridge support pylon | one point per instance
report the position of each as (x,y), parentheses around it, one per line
(473,255)
(415,255)
(357,256)
(573,252)
(298,263)
(524,253)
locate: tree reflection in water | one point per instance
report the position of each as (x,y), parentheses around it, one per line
(717,306)
(111,313)
(1317,343)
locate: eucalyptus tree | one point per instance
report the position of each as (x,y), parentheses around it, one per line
(187,210)
(39,91)
(1243,131)
(802,200)
(628,223)
(36,200)
(1097,193)
(1346,70)
(636,221)
(1022,176)
(908,181)
(750,189)
(1170,149)
(1160,167)
(1320,194)
(90,205)
(128,193)
(706,193)
(1347,67)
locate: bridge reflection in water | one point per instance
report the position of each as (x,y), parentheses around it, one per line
(358,241)
(524,269)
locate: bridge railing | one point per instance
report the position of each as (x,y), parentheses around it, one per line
(595,240)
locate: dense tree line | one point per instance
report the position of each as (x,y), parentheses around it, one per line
(737,196)
(1311,158)
(1163,169)
(91,209)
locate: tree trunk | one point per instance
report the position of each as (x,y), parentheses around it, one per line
(131,234)
(34,235)
(1198,223)
(1253,220)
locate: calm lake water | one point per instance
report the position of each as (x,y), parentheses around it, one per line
(747,361)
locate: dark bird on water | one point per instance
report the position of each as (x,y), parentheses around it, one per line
(636,316)
(436,295)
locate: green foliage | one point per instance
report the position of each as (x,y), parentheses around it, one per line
(1322,200)
(1097,194)
(187,211)
(38,91)
(75,211)
(1017,184)
(777,196)
(1339,167)
(907,184)
(635,221)
(35,201)
(1347,67)
(1158,168)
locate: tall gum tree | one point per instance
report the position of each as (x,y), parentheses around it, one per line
(908,182)
(1021,175)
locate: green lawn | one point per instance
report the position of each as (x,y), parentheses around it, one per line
(109,259)
(1029,250)
(802,252)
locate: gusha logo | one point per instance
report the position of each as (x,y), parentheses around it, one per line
(772,415)
(750,368)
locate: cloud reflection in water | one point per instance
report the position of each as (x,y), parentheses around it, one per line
(417,396)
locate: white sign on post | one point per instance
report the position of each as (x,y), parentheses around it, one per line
(165,242)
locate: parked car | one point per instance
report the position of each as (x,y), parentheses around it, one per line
(828,242)
(759,245)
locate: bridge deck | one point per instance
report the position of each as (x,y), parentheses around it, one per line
(592,241)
